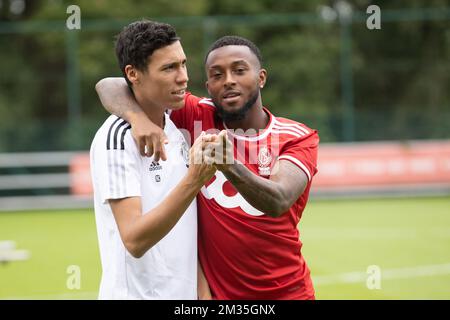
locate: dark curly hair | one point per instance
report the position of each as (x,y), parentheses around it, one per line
(137,41)
(235,41)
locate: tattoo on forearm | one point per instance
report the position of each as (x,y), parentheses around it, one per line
(241,179)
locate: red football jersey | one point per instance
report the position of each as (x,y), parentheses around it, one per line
(244,253)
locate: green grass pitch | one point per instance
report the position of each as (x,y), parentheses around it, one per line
(407,239)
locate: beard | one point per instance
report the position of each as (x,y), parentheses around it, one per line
(240,114)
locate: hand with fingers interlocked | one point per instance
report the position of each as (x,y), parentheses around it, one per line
(218,150)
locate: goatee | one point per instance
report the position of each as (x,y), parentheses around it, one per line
(236,115)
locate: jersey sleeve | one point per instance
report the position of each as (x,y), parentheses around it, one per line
(303,153)
(117,166)
(193,117)
(184,118)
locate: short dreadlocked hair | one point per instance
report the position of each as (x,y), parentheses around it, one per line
(235,41)
(137,41)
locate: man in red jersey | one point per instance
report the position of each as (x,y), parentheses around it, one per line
(249,243)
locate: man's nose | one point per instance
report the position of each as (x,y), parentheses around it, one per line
(182,76)
(229,79)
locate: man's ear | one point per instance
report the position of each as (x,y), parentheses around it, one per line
(132,74)
(262,78)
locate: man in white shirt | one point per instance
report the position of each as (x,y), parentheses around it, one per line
(145,215)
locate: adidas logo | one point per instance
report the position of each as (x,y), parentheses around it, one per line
(154,166)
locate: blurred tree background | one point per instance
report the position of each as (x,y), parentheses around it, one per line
(349,82)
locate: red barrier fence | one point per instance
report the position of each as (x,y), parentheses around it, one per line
(80,175)
(351,167)
(389,165)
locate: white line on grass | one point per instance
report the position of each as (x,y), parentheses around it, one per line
(349,277)
(57,296)
(374,233)
(386,274)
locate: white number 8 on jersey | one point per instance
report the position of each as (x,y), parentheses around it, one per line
(215,191)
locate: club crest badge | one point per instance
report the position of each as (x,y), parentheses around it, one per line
(185,153)
(264,161)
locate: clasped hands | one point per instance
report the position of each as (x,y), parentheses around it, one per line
(213,150)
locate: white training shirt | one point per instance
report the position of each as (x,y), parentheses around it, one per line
(169,269)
